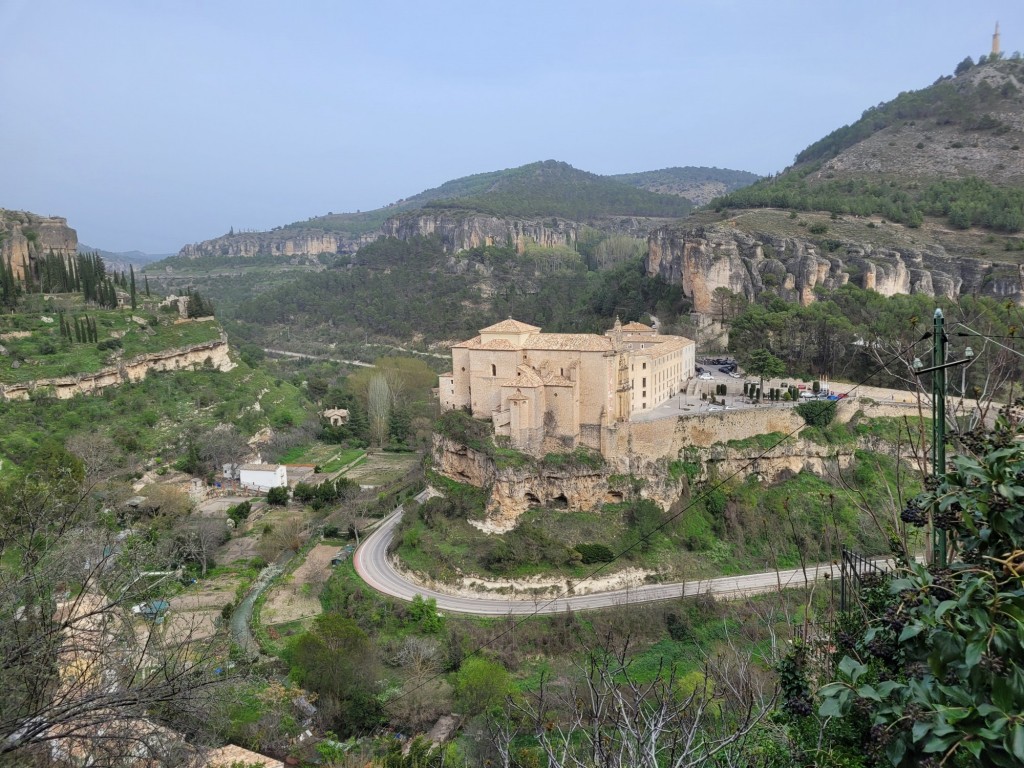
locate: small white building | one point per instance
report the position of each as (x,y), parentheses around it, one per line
(262,477)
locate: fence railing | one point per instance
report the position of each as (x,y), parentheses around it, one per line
(855,570)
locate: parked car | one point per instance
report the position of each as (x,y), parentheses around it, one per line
(706,376)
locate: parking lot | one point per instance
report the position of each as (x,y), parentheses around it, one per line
(690,401)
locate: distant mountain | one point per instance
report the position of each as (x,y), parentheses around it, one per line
(697,184)
(138,258)
(543,190)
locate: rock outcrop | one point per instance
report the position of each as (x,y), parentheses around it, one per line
(705,257)
(462,230)
(26,236)
(642,462)
(282,243)
(517,488)
(207,354)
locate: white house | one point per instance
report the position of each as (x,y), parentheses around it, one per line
(262,477)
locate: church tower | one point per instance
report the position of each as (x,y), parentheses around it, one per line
(995,42)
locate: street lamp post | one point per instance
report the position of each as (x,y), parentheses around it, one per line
(938,428)
(938,368)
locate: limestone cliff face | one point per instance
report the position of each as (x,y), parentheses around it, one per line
(210,353)
(461,230)
(516,489)
(282,243)
(26,236)
(703,258)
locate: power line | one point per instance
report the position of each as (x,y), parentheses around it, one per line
(565,593)
(991,338)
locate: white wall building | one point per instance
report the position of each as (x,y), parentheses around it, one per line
(263,477)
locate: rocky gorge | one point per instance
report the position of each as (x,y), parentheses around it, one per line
(702,258)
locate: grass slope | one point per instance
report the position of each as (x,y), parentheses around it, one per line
(44,353)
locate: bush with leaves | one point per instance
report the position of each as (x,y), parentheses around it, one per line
(939,673)
(278,496)
(817,413)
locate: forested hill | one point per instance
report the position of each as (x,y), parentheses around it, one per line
(552,188)
(698,185)
(543,189)
(394,289)
(951,151)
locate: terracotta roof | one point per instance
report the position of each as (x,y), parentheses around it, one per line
(504,344)
(638,327)
(468,343)
(579,342)
(665,345)
(553,379)
(510,326)
(525,377)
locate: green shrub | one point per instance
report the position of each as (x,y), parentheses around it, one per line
(817,413)
(595,553)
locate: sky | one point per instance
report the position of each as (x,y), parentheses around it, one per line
(149,125)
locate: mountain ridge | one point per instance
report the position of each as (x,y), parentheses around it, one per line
(504,192)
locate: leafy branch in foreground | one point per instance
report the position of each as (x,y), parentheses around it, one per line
(939,672)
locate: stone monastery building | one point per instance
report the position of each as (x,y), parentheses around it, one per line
(553,391)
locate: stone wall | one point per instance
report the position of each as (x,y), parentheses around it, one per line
(213,353)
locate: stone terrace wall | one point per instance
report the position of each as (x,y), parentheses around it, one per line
(182,358)
(631,443)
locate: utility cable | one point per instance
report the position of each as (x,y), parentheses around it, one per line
(974,333)
(707,492)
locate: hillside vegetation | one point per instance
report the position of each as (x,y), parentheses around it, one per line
(394,290)
(552,188)
(951,150)
(698,185)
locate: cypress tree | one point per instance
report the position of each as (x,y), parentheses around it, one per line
(131,269)
(146,278)
(78,331)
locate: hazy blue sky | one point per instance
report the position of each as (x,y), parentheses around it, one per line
(152,124)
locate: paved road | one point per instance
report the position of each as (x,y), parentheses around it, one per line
(373,565)
(303,356)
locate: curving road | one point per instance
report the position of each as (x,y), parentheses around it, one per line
(376,569)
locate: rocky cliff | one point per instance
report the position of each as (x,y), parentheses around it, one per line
(702,258)
(282,243)
(461,230)
(211,353)
(25,236)
(640,464)
(517,488)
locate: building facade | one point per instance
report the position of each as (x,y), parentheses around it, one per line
(556,391)
(262,477)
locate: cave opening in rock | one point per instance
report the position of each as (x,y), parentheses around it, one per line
(559,502)
(532,498)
